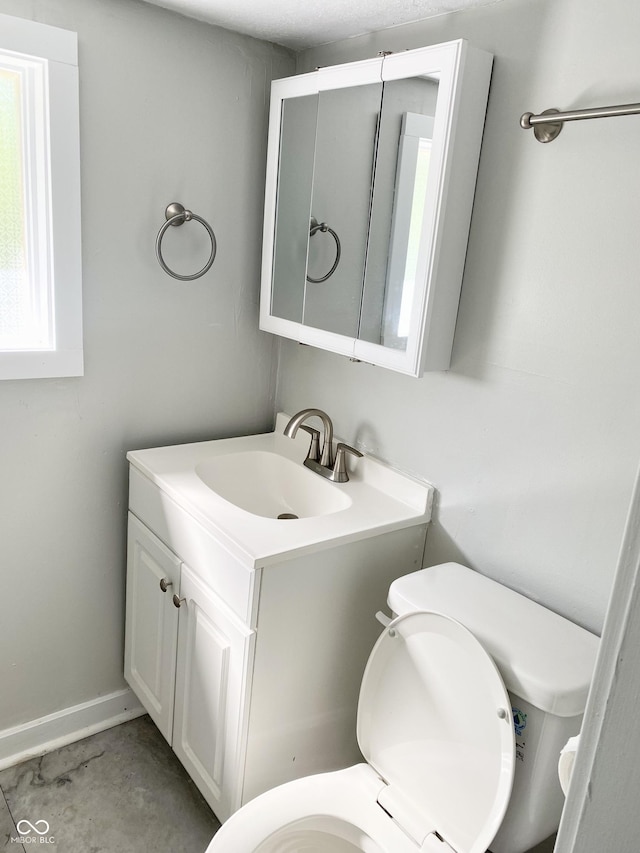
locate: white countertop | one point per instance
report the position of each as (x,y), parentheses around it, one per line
(382,499)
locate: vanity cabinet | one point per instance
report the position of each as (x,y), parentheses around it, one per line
(151,623)
(212,676)
(186,658)
(254,678)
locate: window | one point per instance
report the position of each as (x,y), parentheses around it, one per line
(40,263)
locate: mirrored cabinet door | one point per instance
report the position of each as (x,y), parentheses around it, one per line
(293,211)
(343,174)
(370,176)
(396,225)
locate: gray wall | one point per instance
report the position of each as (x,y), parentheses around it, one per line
(532,437)
(171,109)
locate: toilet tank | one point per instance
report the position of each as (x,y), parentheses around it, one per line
(546,663)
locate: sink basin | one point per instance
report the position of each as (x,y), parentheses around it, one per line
(270,485)
(237,487)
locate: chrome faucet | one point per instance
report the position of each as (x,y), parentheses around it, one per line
(322,462)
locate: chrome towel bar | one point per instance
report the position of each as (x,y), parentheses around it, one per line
(177,214)
(547,125)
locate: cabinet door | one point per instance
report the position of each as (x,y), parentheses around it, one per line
(151,633)
(212,689)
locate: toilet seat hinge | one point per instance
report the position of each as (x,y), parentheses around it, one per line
(409,818)
(435,843)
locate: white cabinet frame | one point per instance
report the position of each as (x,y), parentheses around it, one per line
(463,74)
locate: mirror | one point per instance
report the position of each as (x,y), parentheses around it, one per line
(371,170)
(397,209)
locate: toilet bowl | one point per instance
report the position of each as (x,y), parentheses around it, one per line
(327,812)
(435,728)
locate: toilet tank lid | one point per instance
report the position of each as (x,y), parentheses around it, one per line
(543,658)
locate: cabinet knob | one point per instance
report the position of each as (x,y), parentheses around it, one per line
(165,583)
(177,600)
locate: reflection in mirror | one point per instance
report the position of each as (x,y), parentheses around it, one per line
(414,157)
(398,238)
(297,147)
(322,228)
(344,153)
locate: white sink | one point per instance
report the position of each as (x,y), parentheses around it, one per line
(237,488)
(268,484)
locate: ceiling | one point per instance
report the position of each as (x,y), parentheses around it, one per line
(299,24)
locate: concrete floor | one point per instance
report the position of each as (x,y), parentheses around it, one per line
(120,791)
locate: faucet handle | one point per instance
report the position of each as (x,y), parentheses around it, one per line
(314,447)
(340,473)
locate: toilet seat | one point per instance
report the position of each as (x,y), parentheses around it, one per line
(434,725)
(328,811)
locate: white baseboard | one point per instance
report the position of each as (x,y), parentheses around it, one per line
(38,737)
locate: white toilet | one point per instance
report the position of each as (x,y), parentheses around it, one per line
(436,728)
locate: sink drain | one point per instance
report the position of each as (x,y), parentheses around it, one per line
(287,515)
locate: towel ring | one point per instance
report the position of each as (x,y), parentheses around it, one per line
(176,214)
(322,226)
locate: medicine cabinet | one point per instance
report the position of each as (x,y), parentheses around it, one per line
(371,171)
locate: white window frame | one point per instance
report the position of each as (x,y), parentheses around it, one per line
(59,48)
